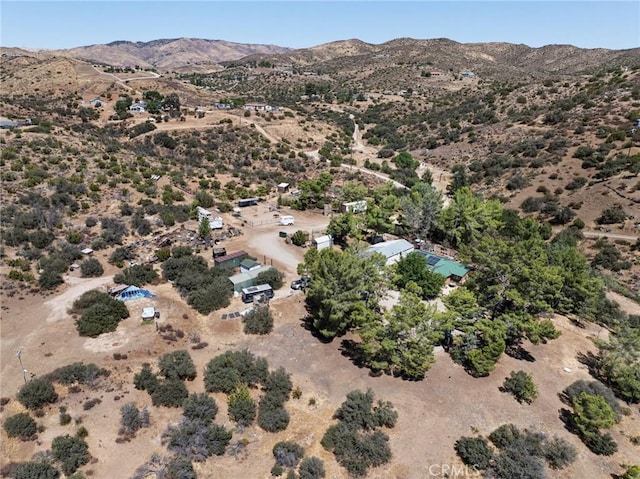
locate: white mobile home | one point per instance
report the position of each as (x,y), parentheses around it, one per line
(215,223)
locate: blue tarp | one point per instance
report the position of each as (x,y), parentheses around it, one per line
(133,292)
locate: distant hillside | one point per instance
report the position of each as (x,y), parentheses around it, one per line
(168,54)
(486,59)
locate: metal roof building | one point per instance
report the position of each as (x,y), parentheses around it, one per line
(392,250)
(245,280)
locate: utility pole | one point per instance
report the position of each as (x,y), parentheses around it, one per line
(24,371)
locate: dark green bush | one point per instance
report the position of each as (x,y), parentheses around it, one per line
(521,385)
(197,441)
(474,451)
(272,277)
(177,365)
(137,275)
(20,425)
(272,416)
(170,393)
(200,407)
(146,380)
(287,453)
(35,470)
(72,452)
(225,371)
(99,313)
(242,407)
(258,321)
(91,268)
(37,393)
(311,468)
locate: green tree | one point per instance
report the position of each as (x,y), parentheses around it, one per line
(204,228)
(343,226)
(413,268)
(345,289)
(464,220)
(592,413)
(401,343)
(421,208)
(272,277)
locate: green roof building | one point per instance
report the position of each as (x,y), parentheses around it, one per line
(450,269)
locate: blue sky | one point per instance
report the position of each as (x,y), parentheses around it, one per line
(299,24)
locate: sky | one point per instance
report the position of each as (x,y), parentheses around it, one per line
(299,24)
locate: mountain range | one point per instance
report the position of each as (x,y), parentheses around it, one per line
(485,58)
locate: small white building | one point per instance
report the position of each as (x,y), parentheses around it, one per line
(86,251)
(322,242)
(354,207)
(138,107)
(215,222)
(148,313)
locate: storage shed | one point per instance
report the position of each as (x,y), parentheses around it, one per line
(245,280)
(231,260)
(248,264)
(322,242)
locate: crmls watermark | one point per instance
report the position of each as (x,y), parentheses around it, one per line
(453,471)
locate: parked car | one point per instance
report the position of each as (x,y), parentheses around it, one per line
(301,283)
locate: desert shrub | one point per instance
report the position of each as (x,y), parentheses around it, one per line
(559,453)
(146,380)
(612,215)
(91,268)
(512,464)
(132,418)
(200,407)
(531,204)
(137,275)
(177,365)
(272,416)
(311,468)
(359,411)
(180,468)
(474,451)
(91,403)
(357,451)
(355,440)
(225,371)
(278,384)
(272,277)
(37,393)
(258,321)
(20,425)
(35,470)
(79,372)
(72,452)
(197,441)
(299,238)
(242,407)
(632,472)
(601,444)
(120,254)
(287,453)
(593,388)
(170,393)
(521,385)
(576,183)
(49,279)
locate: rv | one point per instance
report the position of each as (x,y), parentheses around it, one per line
(215,223)
(286,220)
(250,294)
